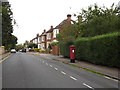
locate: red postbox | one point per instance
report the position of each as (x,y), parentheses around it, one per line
(72,54)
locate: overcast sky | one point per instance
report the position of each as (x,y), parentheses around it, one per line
(33,16)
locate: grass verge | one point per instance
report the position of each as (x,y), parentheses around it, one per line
(93,71)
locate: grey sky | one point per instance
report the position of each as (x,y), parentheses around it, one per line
(4,0)
(35,16)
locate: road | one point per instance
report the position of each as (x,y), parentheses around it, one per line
(22,70)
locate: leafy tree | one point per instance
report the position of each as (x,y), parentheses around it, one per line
(69,33)
(13,41)
(100,20)
(32,45)
(26,43)
(67,37)
(8,40)
(19,46)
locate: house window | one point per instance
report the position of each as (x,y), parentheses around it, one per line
(35,40)
(42,46)
(39,46)
(48,43)
(48,35)
(39,40)
(55,32)
(43,38)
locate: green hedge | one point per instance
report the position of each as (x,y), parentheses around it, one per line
(102,49)
(64,49)
(54,43)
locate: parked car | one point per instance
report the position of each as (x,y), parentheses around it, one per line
(13,51)
(24,50)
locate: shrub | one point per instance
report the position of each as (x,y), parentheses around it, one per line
(35,50)
(102,49)
(64,49)
(54,43)
(42,50)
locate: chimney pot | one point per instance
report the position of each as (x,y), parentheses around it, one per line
(44,30)
(51,27)
(69,15)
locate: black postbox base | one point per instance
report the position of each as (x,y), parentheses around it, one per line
(72,60)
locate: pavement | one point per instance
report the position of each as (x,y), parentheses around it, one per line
(108,71)
(4,56)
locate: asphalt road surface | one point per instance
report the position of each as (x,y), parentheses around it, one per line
(22,70)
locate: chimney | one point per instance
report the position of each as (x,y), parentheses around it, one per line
(69,16)
(44,30)
(51,27)
(38,35)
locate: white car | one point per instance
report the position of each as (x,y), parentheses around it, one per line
(13,51)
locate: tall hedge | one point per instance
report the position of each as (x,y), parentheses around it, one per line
(102,49)
(64,49)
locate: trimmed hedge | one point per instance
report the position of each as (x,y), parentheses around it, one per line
(64,49)
(54,43)
(102,49)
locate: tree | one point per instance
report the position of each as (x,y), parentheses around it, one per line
(19,47)
(100,20)
(32,45)
(68,34)
(8,40)
(26,43)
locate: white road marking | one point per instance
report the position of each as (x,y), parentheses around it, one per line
(50,65)
(56,69)
(115,80)
(43,61)
(87,85)
(107,77)
(46,63)
(73,78)
(63,72)
(111,79)
(5,58)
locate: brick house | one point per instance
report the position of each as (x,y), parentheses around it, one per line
(57,30)
(60,27)
(42,38)
(49,36)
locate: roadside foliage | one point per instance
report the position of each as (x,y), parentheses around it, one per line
(96,36)
(8,40)
(101,49)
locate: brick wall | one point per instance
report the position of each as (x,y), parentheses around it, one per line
(55,50)
(2,50)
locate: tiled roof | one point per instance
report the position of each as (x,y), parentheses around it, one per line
(64,22)
(50,30)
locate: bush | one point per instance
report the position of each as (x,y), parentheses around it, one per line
(42,50)
(35,50)
(64,49)
(102,49)
(54,43)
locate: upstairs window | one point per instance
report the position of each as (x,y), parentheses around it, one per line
(48,36)
(55,32)
(43,38)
